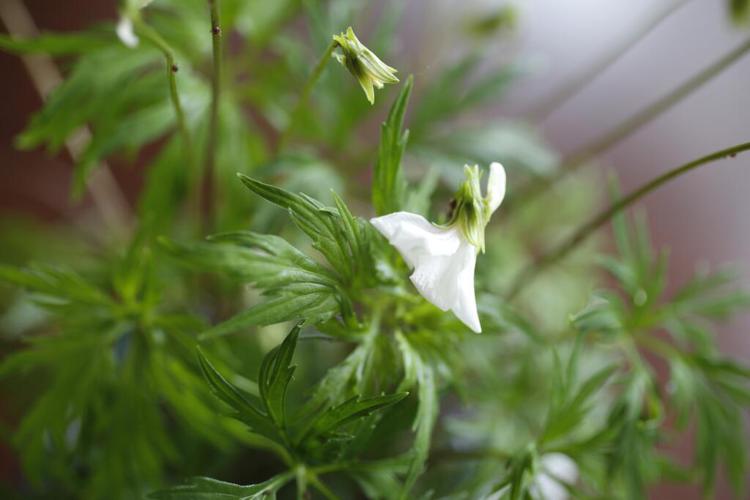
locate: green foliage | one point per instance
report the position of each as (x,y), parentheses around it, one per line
(56,44)
(297,285)
(389,185)
(381,394)
(470,93)
(206,488)
(704,387)
(317,441)
(114,360)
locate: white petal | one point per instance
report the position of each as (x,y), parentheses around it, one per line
(495,186)
(556,467)
(415,237)
(125,32)
(465,307)
(443,262)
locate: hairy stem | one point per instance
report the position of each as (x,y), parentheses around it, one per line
(543,111)
(578,158)
(208,189)
(305,95)
(533,269)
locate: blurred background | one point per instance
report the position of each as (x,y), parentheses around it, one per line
(701,217)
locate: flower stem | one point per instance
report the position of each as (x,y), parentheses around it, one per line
(305,95)
(543,111)
(207,194)
(533,269)
(153,36)
(580,157)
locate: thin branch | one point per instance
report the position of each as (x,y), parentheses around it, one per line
(580,157)
(533,269)
(305,95)
(208,188)
(543,111)
(151,35)
(101,184)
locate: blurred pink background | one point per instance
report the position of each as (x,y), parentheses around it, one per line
(701,217)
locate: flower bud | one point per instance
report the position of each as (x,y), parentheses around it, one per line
(472,210)
(366,67)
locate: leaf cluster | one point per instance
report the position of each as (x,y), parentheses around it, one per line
(308,444)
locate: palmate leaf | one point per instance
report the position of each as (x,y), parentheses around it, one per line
(204,488)
(715,392)
(91,94)
(297,287)
(572,402)
(643,303)
(341,238)
(312,440)
(389,185)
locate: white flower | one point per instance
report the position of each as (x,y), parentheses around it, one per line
(443,257)
(546,485)
(125,32)
(556,468)
(125,29)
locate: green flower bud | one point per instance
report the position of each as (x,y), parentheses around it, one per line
(366,67)
(471,209)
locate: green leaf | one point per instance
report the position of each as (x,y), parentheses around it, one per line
(314,303)
(297,287)
(571,414)
(244,409)
(336,234)
(276,374)
(59,44)
(355,408)
(418,372)
(204,488)
(61,284)
(389,185)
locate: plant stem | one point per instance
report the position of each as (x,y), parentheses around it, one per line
(321,487)
(533,269)
(171,66)
(208,189)
(543,111)
(572,162)
(305,95)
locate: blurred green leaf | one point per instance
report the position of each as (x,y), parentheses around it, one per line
(204,488)
(389,185)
